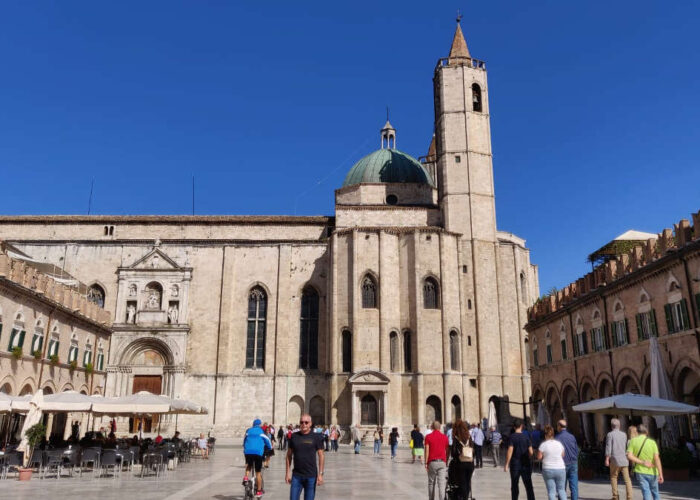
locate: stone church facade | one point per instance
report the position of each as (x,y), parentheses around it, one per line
(408,305)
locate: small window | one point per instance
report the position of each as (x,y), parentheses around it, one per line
(464,269)
(392,199)
(347,351)
(431,294)
(472,382)
(407,352)
(476,98)
(428,237)
(469,340)
(469,304)
(394,351)
(369,293)
(454,350)
(458,159)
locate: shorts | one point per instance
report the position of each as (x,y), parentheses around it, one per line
(418,452)
(254,461)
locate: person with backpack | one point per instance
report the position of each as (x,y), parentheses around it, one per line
(394,441)
(643,452)
(462,455)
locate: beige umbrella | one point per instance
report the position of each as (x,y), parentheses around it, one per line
(33,418)
(68,401)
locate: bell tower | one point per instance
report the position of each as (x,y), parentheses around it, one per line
(466,196)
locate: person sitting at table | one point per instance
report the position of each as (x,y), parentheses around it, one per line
(159,439)
(135,440)
(176,437)
(203,445)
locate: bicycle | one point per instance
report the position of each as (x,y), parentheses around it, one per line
(249,487)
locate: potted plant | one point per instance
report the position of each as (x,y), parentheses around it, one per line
(72,366)
(54,359)
(34,436)
(37,355)
(17,352)
(676,464)
(586,466)
(89,368)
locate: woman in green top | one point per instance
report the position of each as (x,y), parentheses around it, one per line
(643,452)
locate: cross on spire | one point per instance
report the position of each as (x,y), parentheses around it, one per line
(459,16)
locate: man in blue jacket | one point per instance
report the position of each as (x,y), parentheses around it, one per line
(570,457)
(254,446)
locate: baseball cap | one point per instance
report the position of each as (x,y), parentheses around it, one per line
(257,421)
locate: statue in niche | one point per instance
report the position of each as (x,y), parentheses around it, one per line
(174,291)
(154,261)
(132,290)
(153,300)
(131,313)
(173,313)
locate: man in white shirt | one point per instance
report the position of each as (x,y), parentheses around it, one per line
(478,437)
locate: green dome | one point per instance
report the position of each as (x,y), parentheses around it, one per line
(387,165)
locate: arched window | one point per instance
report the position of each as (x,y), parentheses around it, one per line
(454,350)
(535,361)
(347,351)
(73,350)
(0,323)
(431,294)
(476,97)
(17,333)
(456,408)
(308,345)
(523,288)
(87,355)
(255,341)
(53,343)
(38,339)
(96,295)
(562,338)
(433,409)
(369,292)
(394,351)
(407,358)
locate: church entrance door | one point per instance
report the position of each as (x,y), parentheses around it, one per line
(152,384)
(368,411)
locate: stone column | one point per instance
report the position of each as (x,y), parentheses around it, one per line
(354,408)
(382,417)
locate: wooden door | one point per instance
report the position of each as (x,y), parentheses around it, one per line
(152,384)
(368,411)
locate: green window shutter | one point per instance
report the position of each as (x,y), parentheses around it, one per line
(41,344)
(684,314)
(55,347)
(640,331)
(627,332)
(606,341)
(584,339)
(654,328)
(563,349)
(1,322)
(613,333)
(13,334)
(669,318)
(697,308)
(575,345)
(21,339)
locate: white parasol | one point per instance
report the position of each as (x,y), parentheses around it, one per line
(635,405)
(33,418)
(492,420)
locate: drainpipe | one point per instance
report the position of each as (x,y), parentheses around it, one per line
(218,333)
(693,307)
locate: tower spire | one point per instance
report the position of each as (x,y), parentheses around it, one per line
(388,133)
(459,49)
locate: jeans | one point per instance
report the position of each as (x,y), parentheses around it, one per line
(437,480)
(572,479)
(334,444)
(649,485)
(524,473)
(377,446)
(555,480)
(394,447)
(357,446)
(308,484)
(478,456)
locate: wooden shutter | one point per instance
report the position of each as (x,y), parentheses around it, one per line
(613,333)
(576,353)
(21,339)
(13,334)
(684,313)
(640,331)
(627,332)
(669,318)
(654,329)
(697,308)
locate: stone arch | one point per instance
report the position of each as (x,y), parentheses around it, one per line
(431,292)
(456,403)
(604,384)
(643,295)
(84,389)
(19,316)
(27,389)
(139,346)
(595,313)
(317,410)
(7,385)
(537,392)
(295,408)
(569,398)
(369,290)
(672,283)
(579,323)
(618,306)
(96,294)
(67,387)
(254,284)
(154,288)
(49,385)
(552,403)
(681,365)
(588,419)
(587,381)
(627,381)
(433,409)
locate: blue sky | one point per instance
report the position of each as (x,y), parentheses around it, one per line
(594,108)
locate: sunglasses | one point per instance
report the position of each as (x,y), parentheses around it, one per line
(304,421)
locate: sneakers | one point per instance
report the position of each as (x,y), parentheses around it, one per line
(259,493)
(245,480)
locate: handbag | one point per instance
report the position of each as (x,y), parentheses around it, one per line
(410,444)
(467,453)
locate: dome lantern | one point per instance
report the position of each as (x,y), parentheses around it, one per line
(388,134)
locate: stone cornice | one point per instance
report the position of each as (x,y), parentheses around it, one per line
(169,219)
